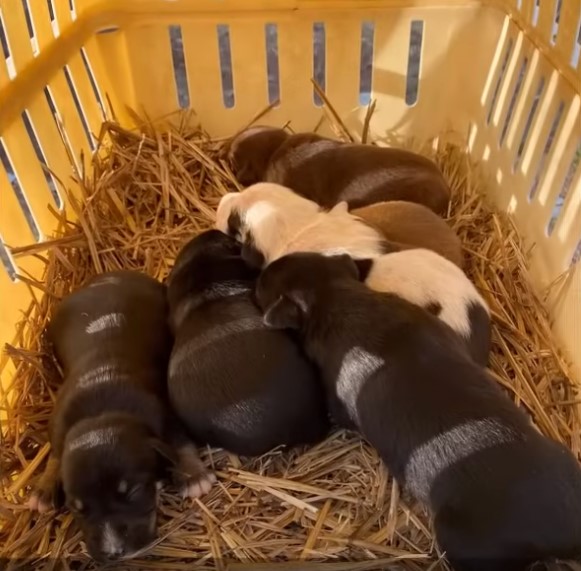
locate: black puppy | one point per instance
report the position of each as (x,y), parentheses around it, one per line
(234,382)
(503,495)
(111,434)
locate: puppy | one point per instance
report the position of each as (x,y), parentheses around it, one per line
(427,279)
(272,221)
(503,496)
(412,225)
(111,432)
(232,381)
(329,171)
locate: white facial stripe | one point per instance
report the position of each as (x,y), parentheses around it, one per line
(105,322)
(258,213)
(357,366)
(211,336)
(450,447)
(111,543)
(107,280)
(101,374)
(307,151)
(94,438)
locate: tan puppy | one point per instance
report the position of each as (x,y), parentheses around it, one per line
(329,171)
(413,226)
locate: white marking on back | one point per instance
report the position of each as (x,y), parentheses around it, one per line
(101,374)
(111,543)
(450,447)
(105,322)
(94,438)
(422,277)
(357,367)
(211,336)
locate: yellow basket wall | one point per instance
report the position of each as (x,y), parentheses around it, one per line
(504,74)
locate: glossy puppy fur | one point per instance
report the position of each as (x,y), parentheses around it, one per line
(503,496)
(111,432)
(412,225)
(234,382)
(329,171)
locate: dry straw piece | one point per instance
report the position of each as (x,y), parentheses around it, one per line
(331,507)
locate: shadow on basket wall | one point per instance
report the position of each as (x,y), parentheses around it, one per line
(502,75)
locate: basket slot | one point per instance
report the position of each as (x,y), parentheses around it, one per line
(539,87)
(414,62)
(66,117)
(548,22)
(17,222)
(154,92)
(41,21)
(35,192)
(51,182)
(50,141)
(509,82)
(342,65)
(272,67)
(576,258)
(8,70)
(16,31)
(536,8)
(568,30)
(556,169)
(79,107)
(366,63)
(7,262)
(547,135)
(562,204)
(226,70)
(30,26)
(503,66)
(179,66)
(94,85)
(53,18)
(319,60)
(520,97)
(575,56)
(62,11)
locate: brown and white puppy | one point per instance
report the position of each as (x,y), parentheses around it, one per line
(272,221)
(232,381)
(412,225)
(428,280)
(329,171)
(111,432)
(503,496)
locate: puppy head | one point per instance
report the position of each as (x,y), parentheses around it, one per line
(250,151)
(289,287)
(263,218)
(110,474)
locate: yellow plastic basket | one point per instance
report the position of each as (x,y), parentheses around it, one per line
(504,73)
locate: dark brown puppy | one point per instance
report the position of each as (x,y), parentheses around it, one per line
(111,432)
(329,172)
(412,225)
(503,495)
(234,382)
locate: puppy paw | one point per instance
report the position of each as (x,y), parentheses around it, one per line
(42,500)
(197,486)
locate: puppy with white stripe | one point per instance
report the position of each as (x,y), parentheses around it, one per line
(329,171)
(232,381)
(272,221)
(503,496)
(111,433)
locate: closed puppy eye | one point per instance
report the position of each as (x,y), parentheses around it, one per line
(76,506)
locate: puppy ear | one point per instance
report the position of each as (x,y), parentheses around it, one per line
(340,208)
(284,313)
(363,268)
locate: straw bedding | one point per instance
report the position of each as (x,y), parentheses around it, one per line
(332,507)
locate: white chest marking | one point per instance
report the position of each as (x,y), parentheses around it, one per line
(105,322)
(445,449)
(111,544)
(357,366)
